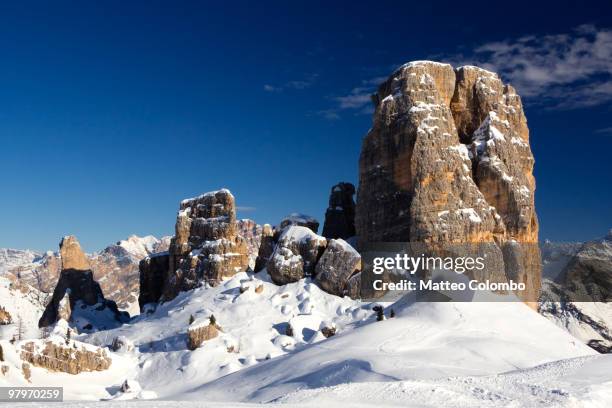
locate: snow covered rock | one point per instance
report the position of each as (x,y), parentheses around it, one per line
(87,305)
(206,247)
(295,255)
(338,263)
(340,215)
(74,358)
(199,332)
(301,220)
(447,161)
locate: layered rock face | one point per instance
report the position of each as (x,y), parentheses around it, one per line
(76,281)
(340,215)
(206,247)
(55,356)
(448,161)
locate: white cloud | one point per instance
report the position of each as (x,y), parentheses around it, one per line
(329,114)
(569,70)
(300,84)
(271,88)
(605,131)
(359,99)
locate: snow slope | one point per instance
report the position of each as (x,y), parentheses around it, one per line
(425,341)
(27,304)
(579,382)
(254,329)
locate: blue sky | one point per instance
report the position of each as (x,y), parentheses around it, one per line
(112,113)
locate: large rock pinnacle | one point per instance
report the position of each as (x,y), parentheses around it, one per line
(77,295)
(448,161)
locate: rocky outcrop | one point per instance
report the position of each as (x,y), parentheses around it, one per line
(81,289)
(153,271)
(252,234)
(5,317)
(266,247)
(338,263)
(301,220)
(199,333)
(340,215)
(72,359)
(448,161)
(206,247)
(295,255)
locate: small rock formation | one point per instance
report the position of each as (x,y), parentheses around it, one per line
(301,220)
(121,344)
(54,356)
(252,234)
(339,262)
(206,247)
(198,333)
(295,255)
(266,247)
(340,215)
(27,372)
(328,331)
(79,286)
(448,161)
(5,317)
